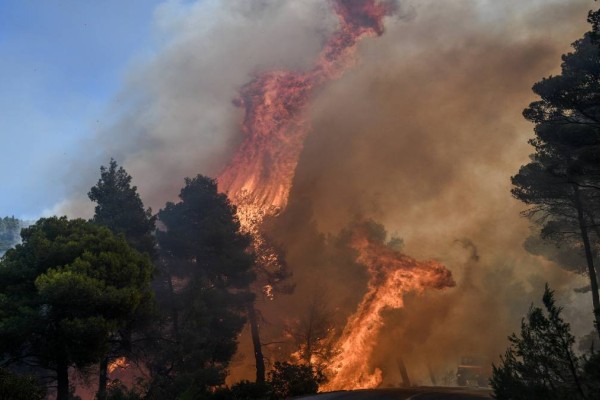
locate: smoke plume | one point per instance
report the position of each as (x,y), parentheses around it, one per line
(422,136)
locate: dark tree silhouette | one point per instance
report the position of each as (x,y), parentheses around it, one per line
(540,362)
(313,330)
(64,291)
(289,380)
(207,270)
(121,210)
(17,387)
(562,182)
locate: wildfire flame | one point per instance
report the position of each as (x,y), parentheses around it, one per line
(119,363)
(392,275)
(259,177)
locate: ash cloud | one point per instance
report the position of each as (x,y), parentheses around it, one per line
(421,135)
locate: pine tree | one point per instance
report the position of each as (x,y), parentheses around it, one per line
(120,209)
(540,362)
(63,293)
(562,182)
(207,270)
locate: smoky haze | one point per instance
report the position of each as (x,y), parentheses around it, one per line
(422,136)
(175,115)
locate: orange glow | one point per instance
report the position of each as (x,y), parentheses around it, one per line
(259,176)
(258,180)
(392,275)
(119,363)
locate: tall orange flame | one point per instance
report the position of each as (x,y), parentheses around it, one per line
(392,275)
(260,174)
(259,177)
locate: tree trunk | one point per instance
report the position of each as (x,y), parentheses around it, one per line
(309,335)
(62,379)
(403,372)
(174,311)
(589,257)
(574,373)
(308,352)
(258,355)
(431,374)
(103,379)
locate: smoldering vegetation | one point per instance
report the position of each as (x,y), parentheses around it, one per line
(421,136)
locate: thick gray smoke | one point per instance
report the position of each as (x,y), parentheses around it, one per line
(421,135)
(175,117)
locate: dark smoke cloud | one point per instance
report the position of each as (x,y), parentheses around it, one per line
(421,135)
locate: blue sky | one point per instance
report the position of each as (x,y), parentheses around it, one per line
(61,63)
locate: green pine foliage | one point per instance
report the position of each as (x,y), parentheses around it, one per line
(202,238)
(64,290)
(206,270)
(18,387)
(540,362)
(121,210)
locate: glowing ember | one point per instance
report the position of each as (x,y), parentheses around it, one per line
(392,275)
(119,363)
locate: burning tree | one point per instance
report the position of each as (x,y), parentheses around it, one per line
(259,177)
(391,276)
(313,333)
